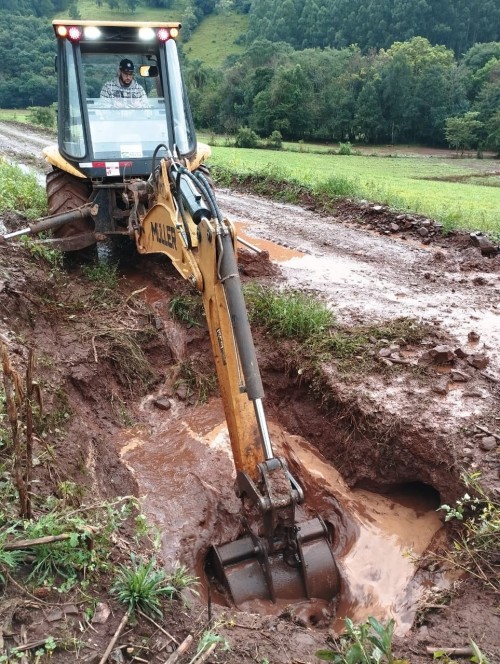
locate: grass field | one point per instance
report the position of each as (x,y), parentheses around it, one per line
(454,192)
(16,114)
(214,39)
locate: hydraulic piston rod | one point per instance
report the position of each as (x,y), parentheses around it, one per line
(55,221)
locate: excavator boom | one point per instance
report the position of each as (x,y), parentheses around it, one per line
(278,557)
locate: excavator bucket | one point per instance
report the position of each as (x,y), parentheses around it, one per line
(248,571)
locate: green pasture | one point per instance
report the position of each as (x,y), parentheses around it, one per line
(421,184)
(214,39)
(14,114)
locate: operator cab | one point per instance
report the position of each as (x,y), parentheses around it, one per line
(118,135)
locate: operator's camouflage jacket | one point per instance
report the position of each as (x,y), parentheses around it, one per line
(113,90)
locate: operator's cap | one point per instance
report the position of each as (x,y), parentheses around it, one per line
(127,65)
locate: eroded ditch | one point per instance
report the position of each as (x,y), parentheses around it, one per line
(383,512)
(387,435)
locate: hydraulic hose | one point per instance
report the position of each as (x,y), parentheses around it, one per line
(228,274)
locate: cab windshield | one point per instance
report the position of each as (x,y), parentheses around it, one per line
(109,117)
(127,116)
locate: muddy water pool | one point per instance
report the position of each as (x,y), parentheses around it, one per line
(182,463)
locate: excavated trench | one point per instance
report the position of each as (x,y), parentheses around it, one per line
(375,480)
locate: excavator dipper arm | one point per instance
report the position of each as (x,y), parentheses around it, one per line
(283,558)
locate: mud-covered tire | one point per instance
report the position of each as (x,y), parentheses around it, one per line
(66,192)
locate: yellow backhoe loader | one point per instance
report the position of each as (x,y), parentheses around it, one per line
(127,163)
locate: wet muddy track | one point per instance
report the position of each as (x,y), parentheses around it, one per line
(389,432)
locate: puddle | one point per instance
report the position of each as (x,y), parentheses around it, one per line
(277,252)
(184,470)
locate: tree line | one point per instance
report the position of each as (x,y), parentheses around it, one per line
(456,24)
(405,94)
(412,91)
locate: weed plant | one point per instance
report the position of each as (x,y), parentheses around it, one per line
(21,192)
(476,548)
(103,274)
(209,637)
(181,579)
(73,561)
(53,257)
(367,643)
(9,560)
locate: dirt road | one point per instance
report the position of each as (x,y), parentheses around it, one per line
(407,426)
(363,275)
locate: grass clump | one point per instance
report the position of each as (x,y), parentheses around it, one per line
(143,585)
(21,192)
(187,308)
(196,383)
(123,347)
(294,315)
(338,186)
(104,274)
(180,578)
(288,313)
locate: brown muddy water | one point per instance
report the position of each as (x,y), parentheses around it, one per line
(182,463)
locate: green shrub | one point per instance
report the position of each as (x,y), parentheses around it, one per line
(275,141)
(246,138)
(345,148)
(43,115)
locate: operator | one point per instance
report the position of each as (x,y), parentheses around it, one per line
(123,91)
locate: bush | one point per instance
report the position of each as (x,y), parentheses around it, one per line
(43,115)
(246,138)
(275,141)
(345,148)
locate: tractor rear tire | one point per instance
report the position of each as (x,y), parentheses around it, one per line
(66,192)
